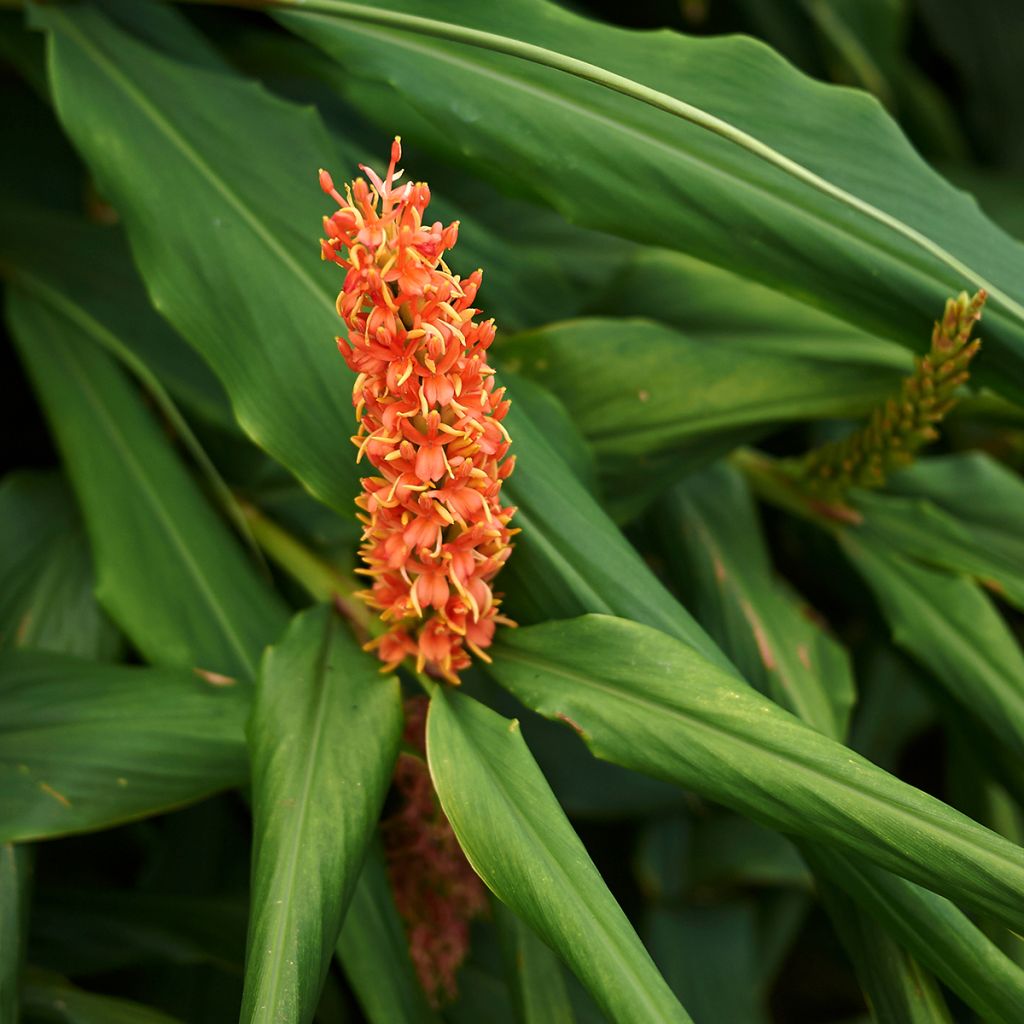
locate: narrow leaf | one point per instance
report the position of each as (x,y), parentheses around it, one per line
(170,573)
(85,746)
(323,739)
(15,872)
(519,841)
(652,704)
(52,999)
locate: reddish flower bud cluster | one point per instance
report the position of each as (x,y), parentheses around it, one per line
(436,532)
(436,892)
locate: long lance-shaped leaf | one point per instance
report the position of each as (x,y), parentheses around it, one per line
(323,738)
(212,273)
(652,704)
(897,989)
(85,746)
(713,542)
(211,191)
(770,162)
(169,572)
(51,998)
(939,935)
(519,841)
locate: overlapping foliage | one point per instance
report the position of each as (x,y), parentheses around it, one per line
(681,784)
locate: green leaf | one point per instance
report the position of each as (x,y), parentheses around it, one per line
(713,538)
(323,737)
(935,931)
(646,395)
(810,189)
(958,512)
(46,573)
(218,194)
(898,991)
(518,840)
(89,279)
(170,574)
(652,704)
(15,881)
(949,625)
(533,972)
(56,1001)
(85,746)
(374,952)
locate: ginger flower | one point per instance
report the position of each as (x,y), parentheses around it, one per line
(435,530)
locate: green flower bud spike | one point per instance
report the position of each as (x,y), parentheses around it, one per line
(901,425)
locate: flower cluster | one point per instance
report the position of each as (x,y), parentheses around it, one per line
(436,891)
(436,532)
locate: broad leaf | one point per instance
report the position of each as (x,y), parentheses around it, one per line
(170,573)
(652,704)
(323,738)
(824,197)
(84,746)
(518,840)
(46,573)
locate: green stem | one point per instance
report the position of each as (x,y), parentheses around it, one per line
(320,579)
(627,87)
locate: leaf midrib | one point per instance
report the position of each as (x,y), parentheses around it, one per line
(152,498)
(569,881)
(269,991)
(657,706)
(910,266)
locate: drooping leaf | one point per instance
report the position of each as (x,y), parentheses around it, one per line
(374,952)
(85,746)
(46,573)
(169,572)
(882,248)
(648,702)
(520,843)
(323,738)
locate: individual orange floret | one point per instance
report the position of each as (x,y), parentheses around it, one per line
(435,530)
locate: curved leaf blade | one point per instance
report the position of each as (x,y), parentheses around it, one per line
(169,571)
(323,737)
(518,840)
(652,704)
(85,746)
(701,191)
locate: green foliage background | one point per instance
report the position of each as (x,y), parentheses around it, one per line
(742,761)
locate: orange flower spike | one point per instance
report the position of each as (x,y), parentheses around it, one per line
(435,530)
